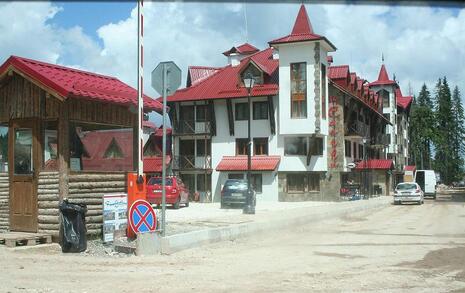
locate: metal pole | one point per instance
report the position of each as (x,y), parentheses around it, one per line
(163,159)
(248,207)
(140,89)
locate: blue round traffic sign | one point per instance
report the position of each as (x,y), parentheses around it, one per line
(142,217)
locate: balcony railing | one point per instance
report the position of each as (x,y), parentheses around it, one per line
(381,139)
(192,162)
(191,127)
(358,128)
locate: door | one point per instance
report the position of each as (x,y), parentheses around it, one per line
(23,159)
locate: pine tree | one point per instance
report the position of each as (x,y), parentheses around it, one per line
(458,144)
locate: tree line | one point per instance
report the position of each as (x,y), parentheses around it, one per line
(437,131)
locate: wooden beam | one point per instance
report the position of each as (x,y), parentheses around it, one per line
(63,150)
(230,117)
(271,114)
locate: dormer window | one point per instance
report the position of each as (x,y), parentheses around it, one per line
(253,71)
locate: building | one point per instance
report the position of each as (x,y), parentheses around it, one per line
(65,133)
(310,120)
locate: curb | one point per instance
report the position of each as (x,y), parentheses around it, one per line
(151,244)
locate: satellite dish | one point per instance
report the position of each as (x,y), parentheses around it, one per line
(351,165)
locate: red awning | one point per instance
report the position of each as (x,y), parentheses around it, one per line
(410,168)
(375,165)
(239,163)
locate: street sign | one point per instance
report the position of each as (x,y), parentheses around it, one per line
(351,165)
(142,217)
(173,77)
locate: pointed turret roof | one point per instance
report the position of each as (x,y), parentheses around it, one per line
(302,31)
(383,78)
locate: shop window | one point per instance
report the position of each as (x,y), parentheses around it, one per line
(202,113)
(201,147)
(236,176)
(314,182)
(323,91)
(241,146)
(23,156)
(296,182)
(50,146)
(241,111)
(97,147)
(295,146)
(298,90)
(257,182)
(316,146)
(260,110)
(3,148)
(260,146)
(347,149)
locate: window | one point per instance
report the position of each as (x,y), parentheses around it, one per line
(295,146)
(186,113)
(387,116)
(323,91)
(260,110)
(360,151)
(260,146)
(22,152)
(255,72)
(113,151)
(202,113)
(201,182)
(385,96)
(316,146)
(256,180)
(347,148)
(314,182)
(298,90)
(241,146)
(241,111)
(3,148)
(235,176)
(355,150)
(201,148)
(50,146)
(296,182)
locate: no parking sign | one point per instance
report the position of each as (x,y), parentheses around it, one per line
(142,217)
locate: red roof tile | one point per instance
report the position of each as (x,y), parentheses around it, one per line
(383,78)
(239,163)
(74,83)
(375,164)
(401,100)
(339,71)
(224,83)
(410,168)
(198,73)
(302,31)
(245,48)
(153,164)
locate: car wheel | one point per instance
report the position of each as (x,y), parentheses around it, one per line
(176,204)
(187,204)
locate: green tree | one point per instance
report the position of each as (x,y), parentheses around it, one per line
(458,144)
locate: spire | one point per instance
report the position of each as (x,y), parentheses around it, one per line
(302,23)
(383,75)
(382,58)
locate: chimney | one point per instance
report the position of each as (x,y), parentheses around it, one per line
(275,54)
(329,59)
(234,59)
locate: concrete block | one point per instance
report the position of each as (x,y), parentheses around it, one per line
(148,244)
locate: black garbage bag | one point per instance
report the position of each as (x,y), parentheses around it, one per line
(73,227)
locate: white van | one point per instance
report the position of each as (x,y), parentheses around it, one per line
(427,181)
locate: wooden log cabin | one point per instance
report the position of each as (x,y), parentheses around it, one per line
(46,112)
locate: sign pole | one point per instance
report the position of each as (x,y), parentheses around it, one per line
(140,90)
(163,160)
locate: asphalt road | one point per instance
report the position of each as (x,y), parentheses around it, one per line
(406,248)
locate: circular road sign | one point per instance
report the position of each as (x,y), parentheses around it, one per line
(173,77)
(142,217)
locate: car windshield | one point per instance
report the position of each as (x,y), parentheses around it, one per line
(235,184)
(406,186)
(157,180)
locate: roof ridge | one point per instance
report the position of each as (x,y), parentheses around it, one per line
(24,59)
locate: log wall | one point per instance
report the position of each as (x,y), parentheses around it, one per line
(89,188)
(4,202)
(48,199)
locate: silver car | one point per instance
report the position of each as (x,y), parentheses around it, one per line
(408,192)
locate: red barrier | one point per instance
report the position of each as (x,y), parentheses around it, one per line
(135,191)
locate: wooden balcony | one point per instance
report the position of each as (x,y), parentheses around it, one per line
(357,129)
(182,163)
(191,127)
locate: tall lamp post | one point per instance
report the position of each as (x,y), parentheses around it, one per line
(367,188)
(249,207)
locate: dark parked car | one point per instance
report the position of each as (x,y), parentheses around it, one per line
(234,192)
(176,192)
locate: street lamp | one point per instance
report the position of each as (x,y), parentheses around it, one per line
(249,207)
(365,169)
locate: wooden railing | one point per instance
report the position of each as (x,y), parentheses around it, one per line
(189,162)
(191,127)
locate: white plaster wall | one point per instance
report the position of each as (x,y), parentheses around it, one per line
(299,163)
(392,110)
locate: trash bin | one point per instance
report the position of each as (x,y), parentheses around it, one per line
(73,227)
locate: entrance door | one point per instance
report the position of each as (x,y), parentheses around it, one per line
(23,162)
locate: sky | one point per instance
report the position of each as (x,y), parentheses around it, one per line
(419,44)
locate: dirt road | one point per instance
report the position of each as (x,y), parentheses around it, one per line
(405,248)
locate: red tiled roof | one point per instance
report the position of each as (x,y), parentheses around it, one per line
(198,73)
(375,164)
(302,31)
(401,100)
(245,48)
(239,163)
(339,71)
(153,164)
(73,83)
(410,168)
(383,78)
(224,83)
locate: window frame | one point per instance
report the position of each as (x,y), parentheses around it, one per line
(236,111)
(298,99)
(305,147)
(262,140)
(262,117)
(294,176)
(238,147)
